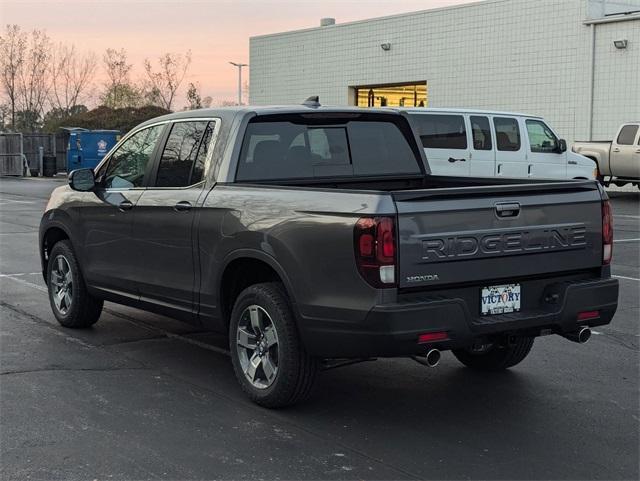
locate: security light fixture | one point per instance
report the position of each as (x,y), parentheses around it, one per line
(621,44)
(385,46)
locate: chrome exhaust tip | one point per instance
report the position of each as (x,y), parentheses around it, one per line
(580,336)
(433,357)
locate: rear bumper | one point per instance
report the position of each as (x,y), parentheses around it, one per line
(393,329)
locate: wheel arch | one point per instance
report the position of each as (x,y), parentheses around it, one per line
(52,234)
(244,268)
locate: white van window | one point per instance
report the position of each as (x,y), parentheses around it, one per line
(507,134)
(541,138)
(481,133)
(441,131)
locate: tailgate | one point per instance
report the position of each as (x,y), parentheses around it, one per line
(469,234)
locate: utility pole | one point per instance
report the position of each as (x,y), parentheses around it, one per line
(239,65)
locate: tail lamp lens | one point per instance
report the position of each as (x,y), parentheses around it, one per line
(607,232)
(375,250)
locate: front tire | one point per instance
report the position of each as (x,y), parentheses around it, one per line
(268,357)
(70,302)
(496,357)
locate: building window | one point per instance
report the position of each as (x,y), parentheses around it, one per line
(414,94)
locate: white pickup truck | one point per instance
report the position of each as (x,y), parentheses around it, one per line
(618,160)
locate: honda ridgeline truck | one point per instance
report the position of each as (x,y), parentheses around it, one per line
(316,237)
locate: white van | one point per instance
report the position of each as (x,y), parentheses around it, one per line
(479,143)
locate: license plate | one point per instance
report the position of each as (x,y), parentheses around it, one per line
(500,299)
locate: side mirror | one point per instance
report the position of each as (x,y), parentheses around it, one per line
(82,180)
(562,146)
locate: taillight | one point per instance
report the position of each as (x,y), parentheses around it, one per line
(607,232)
(375,249)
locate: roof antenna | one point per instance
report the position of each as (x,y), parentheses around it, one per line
(313,101)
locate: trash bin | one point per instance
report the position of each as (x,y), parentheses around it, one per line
(49,168)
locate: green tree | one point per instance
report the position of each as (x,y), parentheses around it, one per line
(121,96)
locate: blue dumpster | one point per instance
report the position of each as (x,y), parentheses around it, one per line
(86,148)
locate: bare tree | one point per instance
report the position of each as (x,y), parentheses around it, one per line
(13,47)
(165,82)
(71,77)
(193,97)
(34,81)
(118,70)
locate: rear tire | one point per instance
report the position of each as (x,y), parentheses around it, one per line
(70,301)
(268,357)
(497,357)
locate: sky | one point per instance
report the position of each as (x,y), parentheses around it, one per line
(216,31)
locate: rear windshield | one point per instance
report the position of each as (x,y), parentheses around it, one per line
(331,147)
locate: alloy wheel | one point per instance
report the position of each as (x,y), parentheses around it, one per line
(62,284)
(257,345)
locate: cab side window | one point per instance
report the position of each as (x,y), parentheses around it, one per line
(507,134)
(128,164)
(184,154)
(541,138)
(627,135)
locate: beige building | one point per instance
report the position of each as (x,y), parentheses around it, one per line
(575,62)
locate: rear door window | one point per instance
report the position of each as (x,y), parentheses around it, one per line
(441,131)
(481,132)
(627,135)
(288,150)
(182,160)
(507,134)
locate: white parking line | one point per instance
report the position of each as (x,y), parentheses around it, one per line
(627,240)
(627,216)
(17,201)
(627,278)
(26,283)
(20,274)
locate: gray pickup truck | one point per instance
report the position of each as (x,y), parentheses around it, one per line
(316,237)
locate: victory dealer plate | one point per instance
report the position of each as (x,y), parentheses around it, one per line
(500,299)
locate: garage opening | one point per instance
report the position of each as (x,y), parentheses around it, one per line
(410,94)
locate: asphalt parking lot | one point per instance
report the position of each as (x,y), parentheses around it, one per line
(141,396)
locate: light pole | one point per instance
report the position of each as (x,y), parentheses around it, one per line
(239,65)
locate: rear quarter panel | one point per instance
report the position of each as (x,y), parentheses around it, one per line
(307,234)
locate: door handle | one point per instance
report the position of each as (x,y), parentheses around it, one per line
(529,169)
(125,205)
(499,169)
(638,151)
(182,206)
(616,149)
(452,160)
(572,162)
